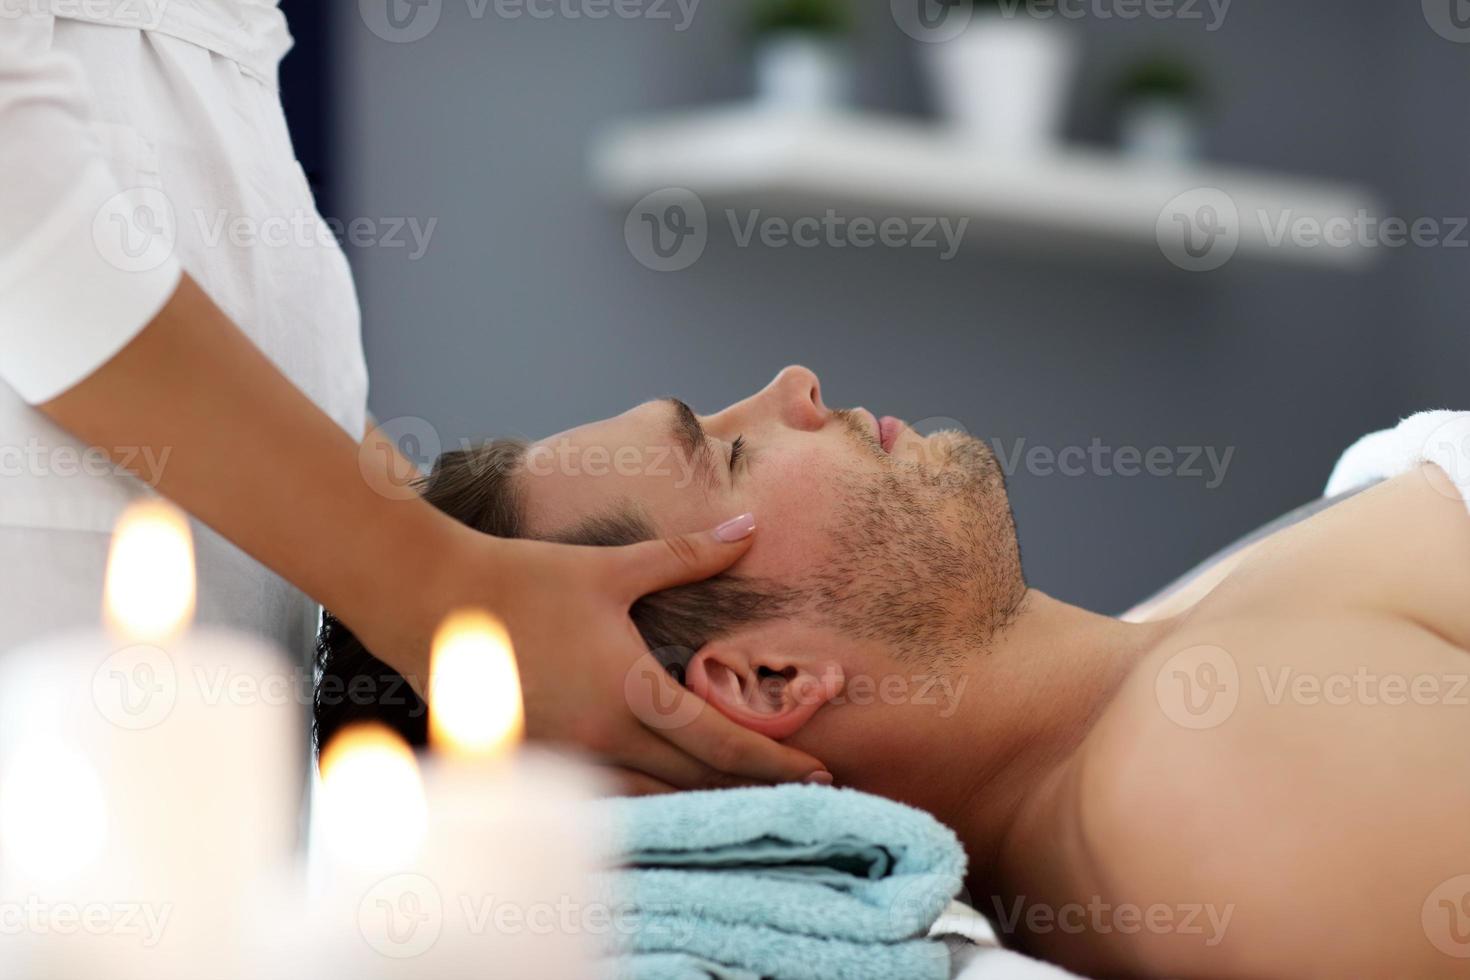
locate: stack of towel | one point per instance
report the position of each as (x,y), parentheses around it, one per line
(791,882)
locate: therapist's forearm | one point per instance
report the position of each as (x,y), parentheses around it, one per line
(253,457)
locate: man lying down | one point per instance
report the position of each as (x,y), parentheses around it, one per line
(1277,772)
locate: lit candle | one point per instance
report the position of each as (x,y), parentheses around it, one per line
(478,865)
(371,807)
(149,591)
(509,850)
(369,826)
(475,710)
(147,777)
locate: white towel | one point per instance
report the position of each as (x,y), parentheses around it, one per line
(976,952)
(1442,438)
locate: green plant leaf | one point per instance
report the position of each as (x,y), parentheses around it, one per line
(827,17)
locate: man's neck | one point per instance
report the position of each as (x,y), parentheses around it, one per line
(1036,691)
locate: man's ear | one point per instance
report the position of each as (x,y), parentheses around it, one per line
(761,689)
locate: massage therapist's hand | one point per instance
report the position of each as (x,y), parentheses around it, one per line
(589,680)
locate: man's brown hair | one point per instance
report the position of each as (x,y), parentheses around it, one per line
(483,487)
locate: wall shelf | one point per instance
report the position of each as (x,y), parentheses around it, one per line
(745,156)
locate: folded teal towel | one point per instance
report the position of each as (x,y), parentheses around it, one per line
(672,966)
(791,882)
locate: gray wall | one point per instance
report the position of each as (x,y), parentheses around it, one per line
(528,314)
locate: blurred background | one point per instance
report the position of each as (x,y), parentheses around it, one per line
(513,136)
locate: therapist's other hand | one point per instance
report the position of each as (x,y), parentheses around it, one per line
(589,680)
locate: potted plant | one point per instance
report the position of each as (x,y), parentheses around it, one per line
(1001,74)
(1161,105)
(803,59)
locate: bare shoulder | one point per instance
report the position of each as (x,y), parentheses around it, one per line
(1403,547)
(1298,785)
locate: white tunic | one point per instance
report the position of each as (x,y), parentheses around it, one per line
(137,138)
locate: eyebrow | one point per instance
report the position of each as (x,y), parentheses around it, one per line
(688,432)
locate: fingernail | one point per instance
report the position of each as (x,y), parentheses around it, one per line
(819,778)
(737,529)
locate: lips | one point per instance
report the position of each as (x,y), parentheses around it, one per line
(885,430)
(889,429)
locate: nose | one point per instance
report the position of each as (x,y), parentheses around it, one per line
(797,395)
(793,399)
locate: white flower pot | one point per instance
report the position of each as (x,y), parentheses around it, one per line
(1004,81)
(802,72)
(1160,131)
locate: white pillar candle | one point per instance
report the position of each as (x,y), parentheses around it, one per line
(369,825)
(495,881)
(146,777)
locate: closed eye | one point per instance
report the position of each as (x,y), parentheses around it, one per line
(737,453)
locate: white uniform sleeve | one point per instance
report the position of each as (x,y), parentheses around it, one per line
(73,291)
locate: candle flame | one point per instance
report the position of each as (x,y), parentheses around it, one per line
(475,708)
(373,810)
(150,573)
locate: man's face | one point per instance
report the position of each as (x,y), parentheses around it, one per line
(892,534)
(900,550)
